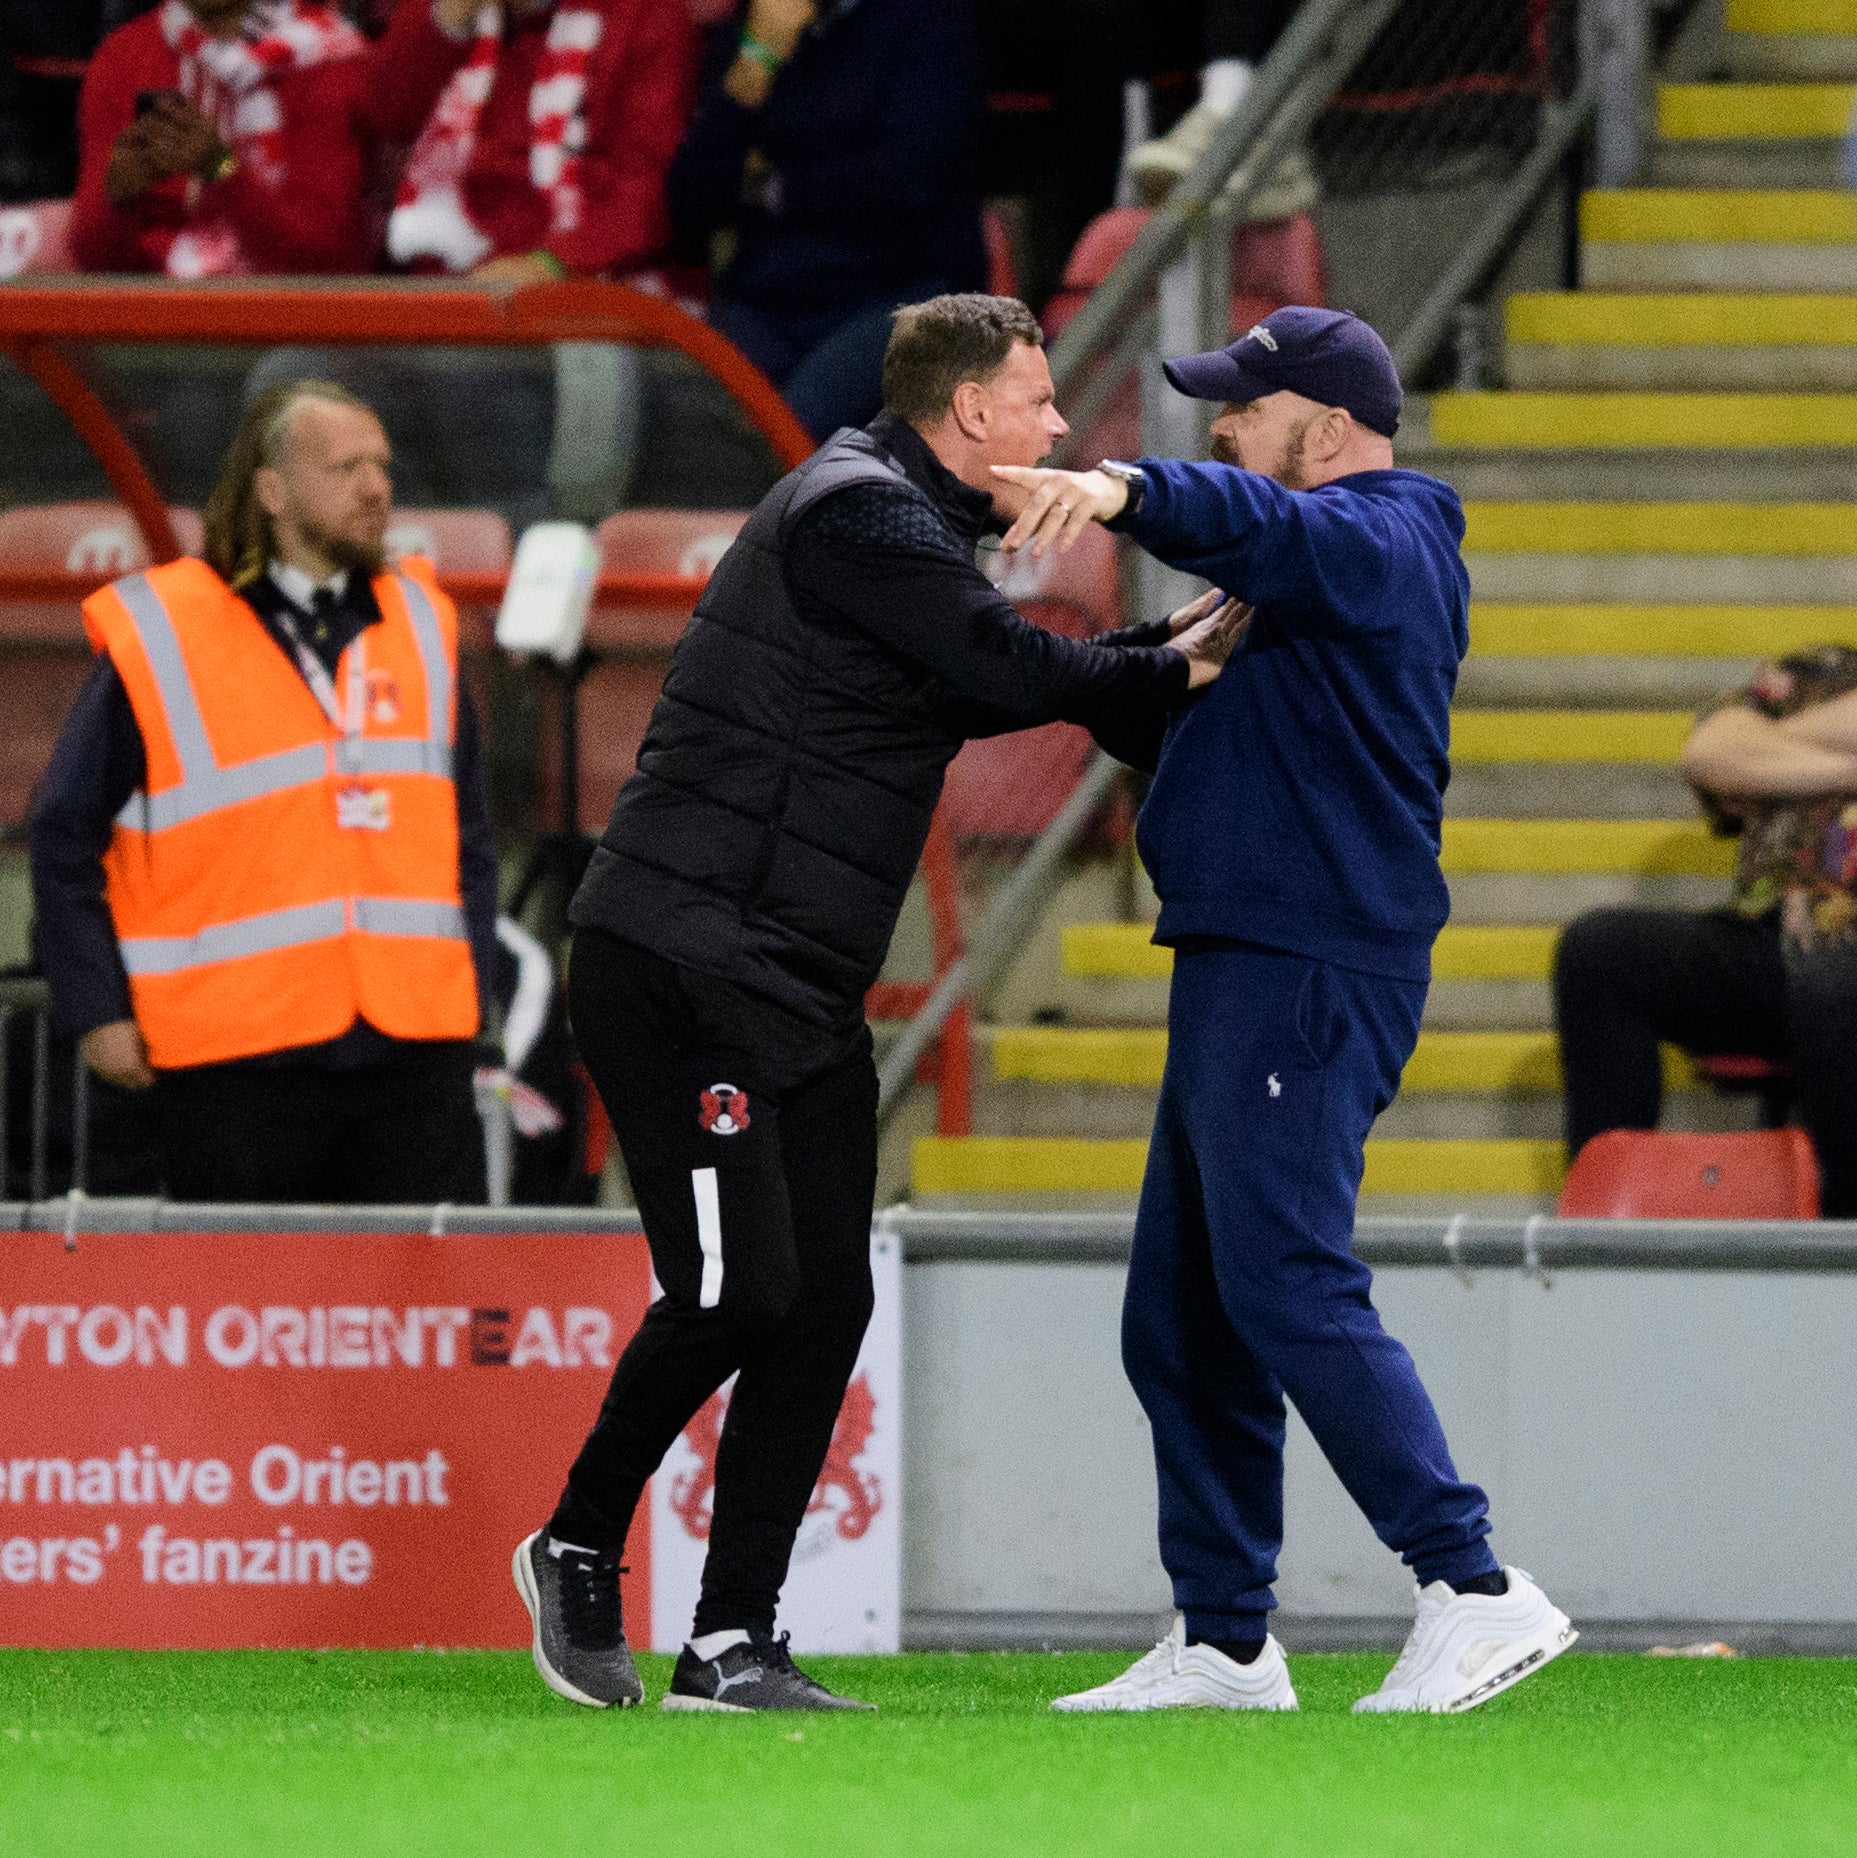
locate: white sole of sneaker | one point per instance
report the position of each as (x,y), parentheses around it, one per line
(1525,1661)
(524,1577)
(708,1705)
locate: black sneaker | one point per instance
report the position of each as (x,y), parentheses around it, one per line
(757,1674)
(573,1597)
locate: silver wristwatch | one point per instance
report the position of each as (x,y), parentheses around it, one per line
(1131,475)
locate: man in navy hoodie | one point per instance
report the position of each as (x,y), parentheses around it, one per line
(1292,833)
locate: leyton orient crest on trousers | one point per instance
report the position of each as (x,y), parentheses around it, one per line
(843,1589)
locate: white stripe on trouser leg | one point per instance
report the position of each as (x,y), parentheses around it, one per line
(708,1235)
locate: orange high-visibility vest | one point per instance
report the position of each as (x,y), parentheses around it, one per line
(250,920)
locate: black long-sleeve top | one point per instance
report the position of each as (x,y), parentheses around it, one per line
(100,761)
(845,647)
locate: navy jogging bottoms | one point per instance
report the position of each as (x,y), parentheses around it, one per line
(1243,1286)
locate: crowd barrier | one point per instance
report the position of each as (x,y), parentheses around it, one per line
(353,1398)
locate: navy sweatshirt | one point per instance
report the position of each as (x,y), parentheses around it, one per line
(871,140)
(1298,803)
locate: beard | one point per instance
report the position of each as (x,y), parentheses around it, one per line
(1287,469)
(346,551)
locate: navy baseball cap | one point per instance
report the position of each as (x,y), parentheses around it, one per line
(1328,356)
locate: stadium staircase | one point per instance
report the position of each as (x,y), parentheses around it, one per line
(1660,496)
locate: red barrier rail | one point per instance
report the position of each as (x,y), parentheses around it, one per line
(37,319)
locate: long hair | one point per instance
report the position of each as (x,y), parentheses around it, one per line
(239,544)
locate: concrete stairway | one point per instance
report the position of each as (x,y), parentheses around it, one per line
(1663,496)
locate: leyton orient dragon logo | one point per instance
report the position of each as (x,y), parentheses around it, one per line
(859,1495)
(722,1110)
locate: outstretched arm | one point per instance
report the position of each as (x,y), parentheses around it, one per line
(879,558)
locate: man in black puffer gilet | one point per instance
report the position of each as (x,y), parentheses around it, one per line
(739,906)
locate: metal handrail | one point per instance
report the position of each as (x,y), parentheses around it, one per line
(1538,1244)
(1320,46)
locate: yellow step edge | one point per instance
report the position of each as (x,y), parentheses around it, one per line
(1512,630)
(1648,847)
(1832,18)
(1126,951)
(1754,112)
(1682,319)
(1701,216)
(1644,421)
(1059,1164)
(1466,1063)
(1641,738)
(1798,530)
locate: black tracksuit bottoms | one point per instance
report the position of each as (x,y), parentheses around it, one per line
(751,1142)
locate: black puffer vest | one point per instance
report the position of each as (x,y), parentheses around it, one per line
(785,785)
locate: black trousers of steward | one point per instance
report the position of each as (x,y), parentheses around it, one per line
(751,1142)
(1714,983)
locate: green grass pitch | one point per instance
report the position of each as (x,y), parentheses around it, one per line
(141,1755)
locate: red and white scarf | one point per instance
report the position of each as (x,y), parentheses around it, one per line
(232,81)
(429,218)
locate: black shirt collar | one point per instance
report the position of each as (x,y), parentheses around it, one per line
(969,512)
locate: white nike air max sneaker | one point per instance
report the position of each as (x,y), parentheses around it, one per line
(1179,1676)
(1466,1648)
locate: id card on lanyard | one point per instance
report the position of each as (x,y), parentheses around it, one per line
(358,807)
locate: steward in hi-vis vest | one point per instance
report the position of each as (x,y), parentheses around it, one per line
(263,870)
(286,871)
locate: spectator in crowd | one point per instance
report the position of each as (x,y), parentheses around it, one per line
(261,853)
(1774,974)
(220,137)
(833,164)
(1236,37)
(545,157)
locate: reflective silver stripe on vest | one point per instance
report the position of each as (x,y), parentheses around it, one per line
(223,787)
(408,916)
(401,755)
(163,648)
(249,935)
(205,787)
(431,642)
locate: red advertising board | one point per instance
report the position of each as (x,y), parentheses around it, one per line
(294,1439)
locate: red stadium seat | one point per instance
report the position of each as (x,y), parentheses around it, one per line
(455,541)
(1002,271)
(617,697)
(35,239)
(81,538)
(1647,1174)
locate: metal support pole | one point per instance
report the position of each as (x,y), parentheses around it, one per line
(80,1125)
(1616,46)
(41,1095)
(1170,422)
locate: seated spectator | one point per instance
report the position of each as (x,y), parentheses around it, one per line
(262,861)
(1774,974)
(545,157)
(833,163)
(227,137)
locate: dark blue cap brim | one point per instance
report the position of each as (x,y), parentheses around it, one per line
(1217,376)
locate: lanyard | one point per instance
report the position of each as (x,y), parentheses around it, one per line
(347,721)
